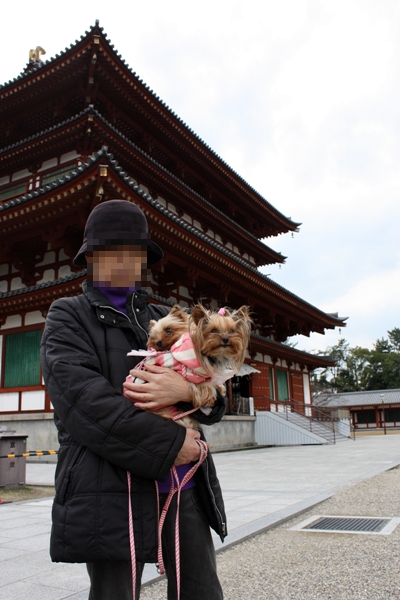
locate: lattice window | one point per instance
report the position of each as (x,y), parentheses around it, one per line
(366,416)
(22,359)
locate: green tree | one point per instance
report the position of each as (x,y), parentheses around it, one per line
(394,338)
(350,373)
(385,363)
(360,369)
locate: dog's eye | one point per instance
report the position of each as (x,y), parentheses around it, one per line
(231,331)
(168,330)
(214,330)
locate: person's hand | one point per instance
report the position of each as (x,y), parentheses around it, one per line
(190,451)
(162,387)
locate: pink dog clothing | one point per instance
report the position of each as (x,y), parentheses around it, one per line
(181,358)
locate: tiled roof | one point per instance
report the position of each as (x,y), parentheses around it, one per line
(92,110)
(301,353)
(40,134)
(99,30)
(42,286)
(365,398)
(66,279)
(103,153)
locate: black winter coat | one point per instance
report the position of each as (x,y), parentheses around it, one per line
(103,435)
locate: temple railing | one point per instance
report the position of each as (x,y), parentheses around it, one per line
(312,417)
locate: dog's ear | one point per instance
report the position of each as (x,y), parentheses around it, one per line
(151,325)
(243,314)
(179,313)
(198,313)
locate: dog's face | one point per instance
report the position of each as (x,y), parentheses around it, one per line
(221,336)
(165,332)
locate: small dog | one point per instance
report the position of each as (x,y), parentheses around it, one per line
(206,348)
(167,331)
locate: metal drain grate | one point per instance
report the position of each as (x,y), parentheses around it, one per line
(339,524)
(347,524)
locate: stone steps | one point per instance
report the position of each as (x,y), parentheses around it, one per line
(304,422)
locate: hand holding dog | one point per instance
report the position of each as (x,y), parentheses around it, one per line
(162,387)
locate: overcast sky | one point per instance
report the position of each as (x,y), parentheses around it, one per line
(300,97)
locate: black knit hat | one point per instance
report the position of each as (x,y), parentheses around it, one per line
(116,223)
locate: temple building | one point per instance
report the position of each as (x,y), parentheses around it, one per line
(82,128)
(369,410)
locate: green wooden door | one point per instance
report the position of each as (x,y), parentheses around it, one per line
(283,393)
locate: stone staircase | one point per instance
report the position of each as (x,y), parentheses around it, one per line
(325,431)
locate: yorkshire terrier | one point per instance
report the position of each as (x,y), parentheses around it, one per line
(165,332)
(207,348)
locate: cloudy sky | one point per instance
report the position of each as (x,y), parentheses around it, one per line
(300,97)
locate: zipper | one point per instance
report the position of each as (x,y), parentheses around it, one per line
(117,311)
(134,314)
(223,525)
(126,316)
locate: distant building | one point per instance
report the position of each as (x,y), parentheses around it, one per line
(81,129)
(373,409)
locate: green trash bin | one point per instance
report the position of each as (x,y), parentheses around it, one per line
(12,470)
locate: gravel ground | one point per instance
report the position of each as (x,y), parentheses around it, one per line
(281,564)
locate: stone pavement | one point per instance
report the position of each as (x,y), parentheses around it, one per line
(262,488)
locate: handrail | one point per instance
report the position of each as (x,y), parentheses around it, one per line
(315,415)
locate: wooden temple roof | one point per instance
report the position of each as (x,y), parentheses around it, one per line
(290,354)
(91,126)
(46,214)
(91,72)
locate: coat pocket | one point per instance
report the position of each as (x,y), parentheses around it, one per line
(62,494)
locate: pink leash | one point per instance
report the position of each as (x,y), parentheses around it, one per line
(173,490)
(131,537)
(176,490)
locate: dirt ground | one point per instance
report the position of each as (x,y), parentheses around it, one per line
(25,493)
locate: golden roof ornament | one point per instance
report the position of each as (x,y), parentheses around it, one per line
(35,54)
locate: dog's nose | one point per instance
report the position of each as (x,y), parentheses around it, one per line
(225,341)
(159,344)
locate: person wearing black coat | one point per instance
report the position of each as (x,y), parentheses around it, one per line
(104,434)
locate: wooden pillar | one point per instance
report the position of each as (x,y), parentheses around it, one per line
(290,382)
(275,380)
(377,420)
(229,396)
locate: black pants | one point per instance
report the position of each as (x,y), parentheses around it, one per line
(199,580)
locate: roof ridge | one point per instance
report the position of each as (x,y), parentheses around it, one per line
(42,64)
(45,284)
(289,348)
(368,392)
(86,110)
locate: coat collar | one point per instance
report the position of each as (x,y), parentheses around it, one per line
(97,298)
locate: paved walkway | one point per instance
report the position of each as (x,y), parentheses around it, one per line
(261,488)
